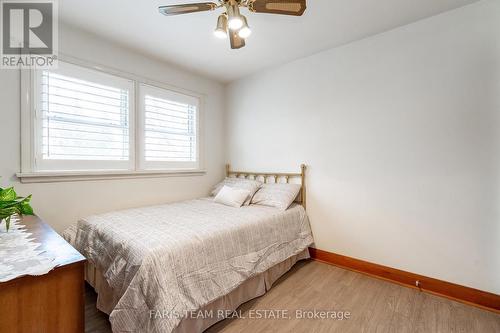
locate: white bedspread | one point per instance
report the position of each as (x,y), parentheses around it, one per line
(176,258)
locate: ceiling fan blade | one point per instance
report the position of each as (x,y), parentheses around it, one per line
(171,10)
(236,41)
(284,7)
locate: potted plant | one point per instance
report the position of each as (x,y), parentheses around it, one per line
(11,204)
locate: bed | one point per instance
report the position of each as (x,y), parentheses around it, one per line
(182,267)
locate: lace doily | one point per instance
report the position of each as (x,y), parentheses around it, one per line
(19,255)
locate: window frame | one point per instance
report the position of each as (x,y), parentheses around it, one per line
(47,165)
(29,172)
(141,115)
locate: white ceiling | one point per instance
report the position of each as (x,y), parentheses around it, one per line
(188,41)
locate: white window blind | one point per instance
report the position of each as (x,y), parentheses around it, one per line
(85,120)
(81,120)
(170,129)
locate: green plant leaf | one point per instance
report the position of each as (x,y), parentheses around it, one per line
(11,204)
(6,212)
(8,194)
(6,204)
(25,208)
(7,223)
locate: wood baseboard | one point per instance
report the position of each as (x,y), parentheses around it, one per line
(471,296)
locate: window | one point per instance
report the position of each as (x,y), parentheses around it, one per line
(170,129)
(85,120)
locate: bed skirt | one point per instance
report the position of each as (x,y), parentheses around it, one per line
(248,290)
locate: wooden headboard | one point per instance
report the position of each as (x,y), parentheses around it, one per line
(276,177)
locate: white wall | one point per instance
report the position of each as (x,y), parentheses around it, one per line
(61,204)
(401,133)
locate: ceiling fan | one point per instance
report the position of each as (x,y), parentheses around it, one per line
(231,22)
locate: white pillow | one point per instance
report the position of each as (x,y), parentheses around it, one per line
(233,197)
(279,195)
(244,184)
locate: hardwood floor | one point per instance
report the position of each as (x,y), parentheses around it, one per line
(375,306)
(95,320)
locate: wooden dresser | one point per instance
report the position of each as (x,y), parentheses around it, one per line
(51,303)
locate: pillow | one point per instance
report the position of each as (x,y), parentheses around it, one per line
(233,197)
(280,195)
(244,184)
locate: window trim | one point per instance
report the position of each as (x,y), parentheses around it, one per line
(41,165)
(144,89)
(28,173)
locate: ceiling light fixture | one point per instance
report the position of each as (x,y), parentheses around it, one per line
(245,31)
(221,29)
(233,12)
(231,23)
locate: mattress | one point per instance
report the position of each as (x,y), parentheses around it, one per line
(177,258)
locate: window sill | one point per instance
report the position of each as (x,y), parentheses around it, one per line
(72,176)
